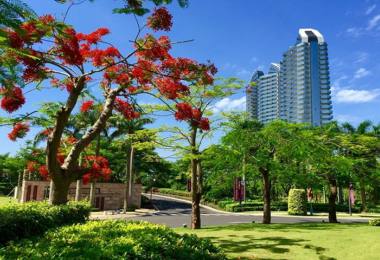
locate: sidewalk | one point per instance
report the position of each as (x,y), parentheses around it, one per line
(113,214)
(354,216)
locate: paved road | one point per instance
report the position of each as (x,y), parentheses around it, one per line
(174,213)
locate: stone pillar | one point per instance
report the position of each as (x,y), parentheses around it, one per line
(23,186)
(51,192)
(77,190)
(92,193)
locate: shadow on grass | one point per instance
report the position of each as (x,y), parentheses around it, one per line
(274,245)
(299,227)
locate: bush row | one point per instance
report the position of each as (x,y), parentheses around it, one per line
(33,218)
(374,222)
(278,206)
(254,206)
(113,240)
(180,193)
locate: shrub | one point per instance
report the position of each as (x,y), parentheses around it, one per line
(297,202)
(374,222)
(33,218)
(324,207)
(250,206)
(113,240)
(180,193)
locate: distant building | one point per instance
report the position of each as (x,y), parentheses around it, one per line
(297,90)
(268,95)
(251,94)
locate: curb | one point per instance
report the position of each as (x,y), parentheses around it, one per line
(250,214)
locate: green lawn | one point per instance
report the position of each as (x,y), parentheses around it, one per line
(295,241)
(4,200)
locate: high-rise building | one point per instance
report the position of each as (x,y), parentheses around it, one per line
(297,90)
(268,94)
(251,95)
(305,81)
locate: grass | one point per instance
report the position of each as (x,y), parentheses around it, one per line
(5,200)
(295,241)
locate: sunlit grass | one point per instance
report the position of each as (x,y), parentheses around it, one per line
(295,241)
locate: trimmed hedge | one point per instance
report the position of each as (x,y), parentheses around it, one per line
(257,205)
(374,222)
(113,240)
(180,193)
(251,206)
(297,202)
(33,218)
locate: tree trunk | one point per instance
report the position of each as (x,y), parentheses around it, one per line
(129,180)
(363,195)
(332,200)
(77,190)
(266,196)
(60,191)
(195,190)
(63,175)
(340,195)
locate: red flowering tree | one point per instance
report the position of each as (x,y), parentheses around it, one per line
(51,51)
(200,118)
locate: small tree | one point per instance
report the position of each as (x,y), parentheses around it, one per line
(188,139)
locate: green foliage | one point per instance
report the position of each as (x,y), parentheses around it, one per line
(180,193)
(254,205)
(114,240)
(374,222)
(19,221)
(297,202)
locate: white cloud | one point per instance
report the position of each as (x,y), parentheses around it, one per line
(356,96)
(243,72)
(361,73)
(374,22)
(338,82)
(229,104)
(354,31)
(370,9)
(361,57)
(253,60)
(347,118)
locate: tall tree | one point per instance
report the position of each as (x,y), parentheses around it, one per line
(52,50)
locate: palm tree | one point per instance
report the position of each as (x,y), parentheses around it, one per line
(363,161)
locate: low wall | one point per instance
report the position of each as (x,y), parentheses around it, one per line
(108,196)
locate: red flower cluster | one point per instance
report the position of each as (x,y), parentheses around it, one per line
(19,131)
(180,68)
(154,49)
(71,140)
(193,115)
(102,57)
(94,37)
(126,109)
(99,169)
(43,170)
(86,106)
(31,166)
(117,74)
(170,88)
(67,47)
(161,19)
(13,98)
(30,32)
(143,71)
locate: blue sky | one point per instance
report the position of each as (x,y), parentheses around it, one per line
(241,36)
